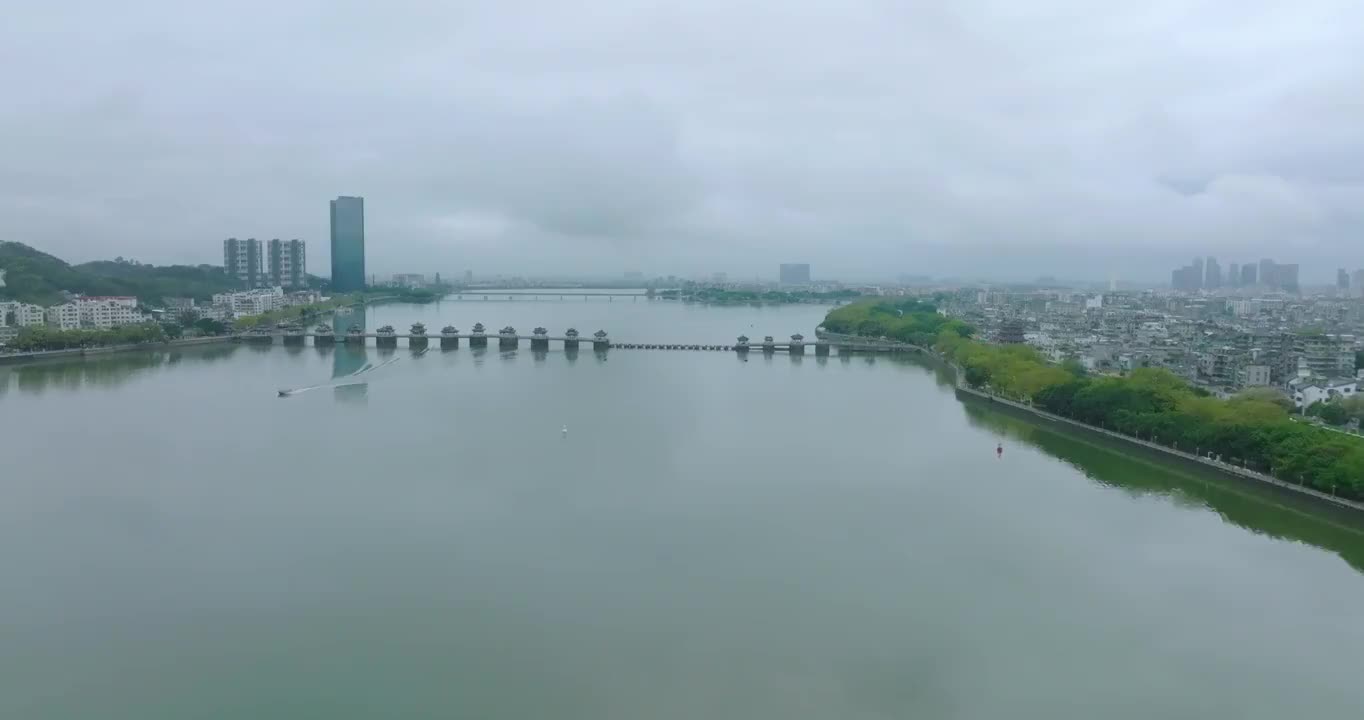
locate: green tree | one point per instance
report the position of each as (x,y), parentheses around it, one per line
(209,326)
(1334,413)
(1074,367)
(1266,394)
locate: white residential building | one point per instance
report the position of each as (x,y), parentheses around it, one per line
(66,316)
(104,312)
(23,314)
(251,302)
(214,312)
(1305,395)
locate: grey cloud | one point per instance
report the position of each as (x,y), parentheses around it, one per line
(866,137)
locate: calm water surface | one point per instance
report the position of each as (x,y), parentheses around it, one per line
(770,538)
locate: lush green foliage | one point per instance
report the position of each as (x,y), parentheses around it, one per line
(36,277)
(1154,403)
(209,326)
(42,338)
(412,295)
(905,319)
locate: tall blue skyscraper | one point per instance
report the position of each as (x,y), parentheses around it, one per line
(348,244)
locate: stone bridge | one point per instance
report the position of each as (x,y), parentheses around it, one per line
(509,339)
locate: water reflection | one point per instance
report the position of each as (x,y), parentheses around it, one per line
(105,371)
(348,359)
(1260,510)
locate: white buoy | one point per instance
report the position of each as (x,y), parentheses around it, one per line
(565,431)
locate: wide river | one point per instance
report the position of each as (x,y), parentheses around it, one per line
(771,538)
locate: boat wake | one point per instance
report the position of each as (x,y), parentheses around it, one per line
(346,380)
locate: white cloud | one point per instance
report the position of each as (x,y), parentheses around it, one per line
(860,135)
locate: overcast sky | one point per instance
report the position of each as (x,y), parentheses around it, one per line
(867,137)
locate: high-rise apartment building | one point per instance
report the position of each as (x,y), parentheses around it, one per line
(1286,277)
(1326,355)
(1234,275)
(348,243)
(1212,278)
(1342,279)
(794,274)
(1248,275)
(1357,283)
(1188,278)
(287,263)
(1268,278)
(242,260)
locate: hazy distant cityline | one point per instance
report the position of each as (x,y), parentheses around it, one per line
(284,264)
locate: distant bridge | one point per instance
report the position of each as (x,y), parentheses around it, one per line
(493,294)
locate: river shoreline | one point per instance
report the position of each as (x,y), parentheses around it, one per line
(1167,454)
(40,355)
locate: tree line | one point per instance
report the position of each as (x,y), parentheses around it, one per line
(1253,429)
(43,338)
(32,276)
(905,319)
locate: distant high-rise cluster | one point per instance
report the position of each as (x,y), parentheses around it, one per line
(794,274)
(282,263)
(1212,278)
(1201,275)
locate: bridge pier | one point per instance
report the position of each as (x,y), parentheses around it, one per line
(418,342)
(355,339)
(293,339)
(742,346)
(386,341)
(797,346)
(822,350)
(449,342)
(507,343)
(540,344)
(324,340)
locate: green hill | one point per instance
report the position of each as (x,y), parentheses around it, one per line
(33,276)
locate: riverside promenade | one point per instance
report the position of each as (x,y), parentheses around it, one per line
(964,391)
